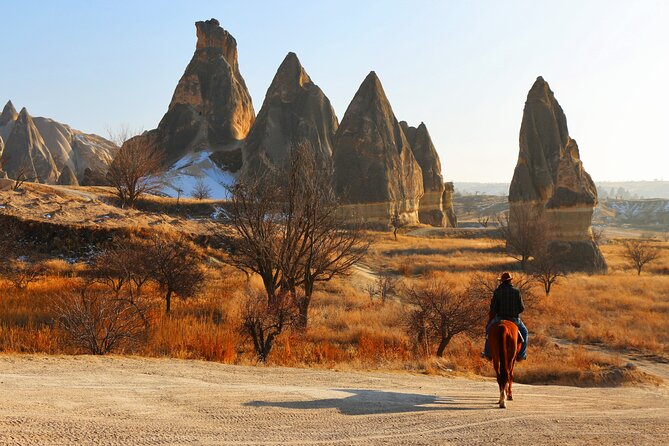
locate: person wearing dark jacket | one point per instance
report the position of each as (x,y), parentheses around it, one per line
(507,304)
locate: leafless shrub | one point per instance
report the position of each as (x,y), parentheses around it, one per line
(98,322)
(483,220)
(639,253)
(134,168)
(201,191)
(384,287)
(440,311)
(524,229)
(264,318)
(22,273)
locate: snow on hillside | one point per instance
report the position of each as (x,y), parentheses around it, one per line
(192,168)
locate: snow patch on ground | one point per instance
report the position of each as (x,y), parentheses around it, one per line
(188,171)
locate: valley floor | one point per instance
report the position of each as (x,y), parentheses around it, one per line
(135,401)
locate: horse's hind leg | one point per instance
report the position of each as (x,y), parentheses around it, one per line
(502,397)
(508,390)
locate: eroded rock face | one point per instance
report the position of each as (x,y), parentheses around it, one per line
(67,177)
(449,209)
(376,173)
(550,175)
(211,105)
(295,111)
(26,153)
(432,208)
(8,114)
(46,148)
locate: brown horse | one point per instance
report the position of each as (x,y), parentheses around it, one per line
(504,346)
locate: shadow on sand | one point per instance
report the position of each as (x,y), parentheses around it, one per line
(368,402)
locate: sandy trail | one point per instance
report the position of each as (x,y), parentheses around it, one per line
(137,401)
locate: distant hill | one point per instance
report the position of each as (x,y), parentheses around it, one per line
(626,190)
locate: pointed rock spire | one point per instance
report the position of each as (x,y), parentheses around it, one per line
(211,105)
(295,111)
(433,210)
(375,170)
(549,175)
(8,114)
(26,153)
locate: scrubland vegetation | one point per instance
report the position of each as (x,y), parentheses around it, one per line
(349,329)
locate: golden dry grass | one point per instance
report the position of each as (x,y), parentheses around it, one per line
(619,311)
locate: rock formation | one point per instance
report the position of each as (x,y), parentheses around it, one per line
(295,111)
(8,114)
(447,201)
(211,106)
(376,173)
(67,177)
(26,153)
(43,149)
(433,210)
(550,175)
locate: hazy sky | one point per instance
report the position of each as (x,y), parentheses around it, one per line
(462,67)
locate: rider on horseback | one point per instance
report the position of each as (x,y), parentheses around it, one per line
(507,304)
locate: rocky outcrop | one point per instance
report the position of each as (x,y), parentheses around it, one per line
(8,114)
(26,154)
(211,106)
(295,111)
(44,149)
(549,175)
(448,205)
(432,208)
(376,173)
(67,177)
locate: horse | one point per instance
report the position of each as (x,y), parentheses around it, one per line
(504,346)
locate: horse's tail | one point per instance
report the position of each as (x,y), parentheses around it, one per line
(503,369)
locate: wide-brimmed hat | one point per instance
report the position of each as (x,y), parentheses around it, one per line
(504,277)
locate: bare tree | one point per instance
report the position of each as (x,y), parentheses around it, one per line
(483,220)
(396,222)
(176,268)
(441,311)
(134,168)
(265,319)
(639,253)
(524,230)
(98,322)
(546,269)
(124,266)
(289,231)
(385,286)
(201,191)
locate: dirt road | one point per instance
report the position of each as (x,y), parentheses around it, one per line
(135,401)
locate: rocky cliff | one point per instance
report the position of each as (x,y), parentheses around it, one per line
(433,210)
(376,173)
(550,175)
(295,111)
(43,149)
(211,106)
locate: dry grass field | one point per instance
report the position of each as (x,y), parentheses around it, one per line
(620,314)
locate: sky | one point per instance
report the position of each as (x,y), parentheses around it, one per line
(462,67)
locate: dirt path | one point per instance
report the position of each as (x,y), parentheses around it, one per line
(136,401)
